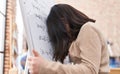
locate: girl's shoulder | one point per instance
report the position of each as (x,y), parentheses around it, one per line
(90,28)
(89,25)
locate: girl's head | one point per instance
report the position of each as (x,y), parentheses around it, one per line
(64,23)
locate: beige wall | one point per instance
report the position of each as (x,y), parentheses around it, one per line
(107,16)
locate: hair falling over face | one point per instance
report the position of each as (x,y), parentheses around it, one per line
(64,23)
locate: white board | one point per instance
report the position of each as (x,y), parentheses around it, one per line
(34,14)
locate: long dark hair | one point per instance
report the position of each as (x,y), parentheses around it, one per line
(64,23)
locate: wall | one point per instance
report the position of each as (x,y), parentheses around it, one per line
(8,34)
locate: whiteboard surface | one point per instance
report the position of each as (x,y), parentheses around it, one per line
(34,14)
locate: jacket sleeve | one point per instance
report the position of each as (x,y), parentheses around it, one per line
(89,43)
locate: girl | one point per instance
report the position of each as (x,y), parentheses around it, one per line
(71,33)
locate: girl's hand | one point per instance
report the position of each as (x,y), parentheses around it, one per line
(35,62)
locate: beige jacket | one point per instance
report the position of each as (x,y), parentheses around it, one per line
(88,53)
